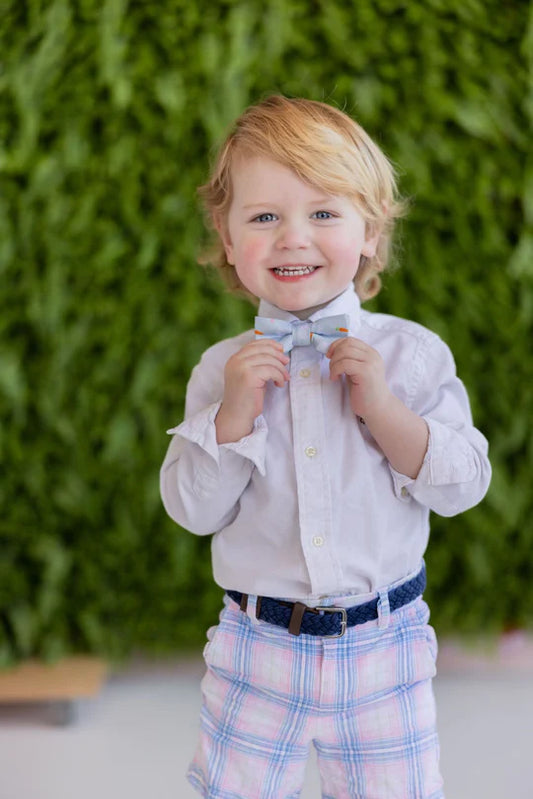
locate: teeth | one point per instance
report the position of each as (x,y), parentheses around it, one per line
(294,270)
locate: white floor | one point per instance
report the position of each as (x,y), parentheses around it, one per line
(135,739)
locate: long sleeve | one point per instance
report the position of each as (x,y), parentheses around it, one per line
(456,472)
(201,481)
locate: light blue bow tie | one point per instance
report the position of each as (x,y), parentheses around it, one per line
(320,334)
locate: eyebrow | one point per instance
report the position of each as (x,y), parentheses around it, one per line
(321,201)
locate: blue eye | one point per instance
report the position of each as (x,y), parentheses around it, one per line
(323,215)
(264,218)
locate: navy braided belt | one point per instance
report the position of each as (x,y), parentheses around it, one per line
(328,621)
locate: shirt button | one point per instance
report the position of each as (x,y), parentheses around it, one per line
(304,372)
(310,452)
(318,541)
(404,492)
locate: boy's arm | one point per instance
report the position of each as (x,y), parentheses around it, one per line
(401,433)
(435,453)
(201,479)
(246,376)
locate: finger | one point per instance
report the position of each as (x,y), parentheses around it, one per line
(350,367)
(346,361)
(254,372)
(345,345)
(268,347)
(255,360)
(242,368)
(267,372)
(265,343)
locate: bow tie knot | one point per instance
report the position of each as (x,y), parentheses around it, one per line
(320,334)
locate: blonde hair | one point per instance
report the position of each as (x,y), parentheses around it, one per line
(325,148)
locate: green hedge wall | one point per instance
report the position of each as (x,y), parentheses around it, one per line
(109,111)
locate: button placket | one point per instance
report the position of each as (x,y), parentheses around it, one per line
(312,477)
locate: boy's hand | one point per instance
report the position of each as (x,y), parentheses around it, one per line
(365,372)
(245,378)
(401,434)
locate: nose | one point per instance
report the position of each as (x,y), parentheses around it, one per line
(293,235)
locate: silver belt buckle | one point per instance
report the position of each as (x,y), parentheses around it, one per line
(344,619)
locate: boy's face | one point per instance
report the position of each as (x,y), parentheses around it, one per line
(291,243)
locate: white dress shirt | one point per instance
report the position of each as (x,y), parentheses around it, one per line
(307,505)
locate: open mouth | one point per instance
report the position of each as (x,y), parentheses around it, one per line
(294,271)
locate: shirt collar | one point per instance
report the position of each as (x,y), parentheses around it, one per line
(348,302)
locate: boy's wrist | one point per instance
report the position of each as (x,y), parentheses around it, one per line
(229,428)
(378,410)
(401,434)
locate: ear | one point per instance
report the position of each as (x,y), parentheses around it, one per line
(372,236)
(222,230)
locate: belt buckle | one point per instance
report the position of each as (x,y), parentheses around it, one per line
(344,619)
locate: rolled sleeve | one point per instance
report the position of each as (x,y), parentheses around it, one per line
(201,481)
(451,457)
(201,430)
(455,473)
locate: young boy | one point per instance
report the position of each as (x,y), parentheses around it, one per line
(313,450)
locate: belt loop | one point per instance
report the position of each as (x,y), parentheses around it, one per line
(298,610)
(251,609)
(383,610)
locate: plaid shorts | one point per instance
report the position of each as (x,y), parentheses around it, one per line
(365,701)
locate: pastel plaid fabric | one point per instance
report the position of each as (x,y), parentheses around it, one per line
(364,701)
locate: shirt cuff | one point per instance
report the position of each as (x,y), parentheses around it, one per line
(201,430)
(449,460)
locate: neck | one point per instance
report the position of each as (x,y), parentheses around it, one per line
(307,312)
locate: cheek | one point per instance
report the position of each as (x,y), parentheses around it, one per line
(355,248)
(251,251)
(345,249)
